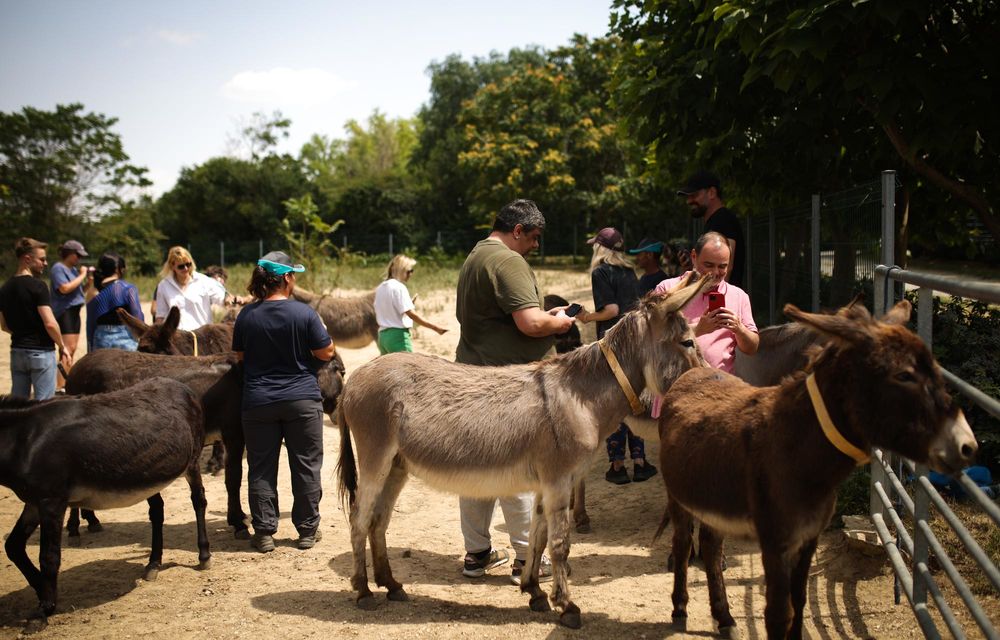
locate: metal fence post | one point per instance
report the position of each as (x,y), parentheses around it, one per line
(222,253)
(889,217)
(390,245)
(921,501)
(814,253)
(260,247)
(772,260)
(439,239)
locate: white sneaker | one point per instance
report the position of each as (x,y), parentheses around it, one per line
(544,571)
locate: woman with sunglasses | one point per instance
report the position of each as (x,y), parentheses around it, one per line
(183,287)
(394,308)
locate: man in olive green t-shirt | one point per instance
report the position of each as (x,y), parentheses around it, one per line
(500,311)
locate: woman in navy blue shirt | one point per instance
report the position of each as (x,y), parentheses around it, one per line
(104,328)
(282,343)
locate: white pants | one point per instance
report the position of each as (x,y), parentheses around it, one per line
(477,515)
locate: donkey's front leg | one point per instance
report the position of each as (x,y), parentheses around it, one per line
(710,544)
(800,581)
(556,506)
(777,575)
(680,552)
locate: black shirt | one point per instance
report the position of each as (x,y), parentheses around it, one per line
(613,285)
(725,222)
(649,281)
(20,298)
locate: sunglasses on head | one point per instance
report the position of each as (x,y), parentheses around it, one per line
(184,265)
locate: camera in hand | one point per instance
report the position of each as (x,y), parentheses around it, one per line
(573,309)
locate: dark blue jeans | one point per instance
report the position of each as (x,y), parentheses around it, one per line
(616,444)
(300,424)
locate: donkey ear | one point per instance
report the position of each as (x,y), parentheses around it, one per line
(171,322)
(677,298)
(838,327)
(135,326)
(899,314)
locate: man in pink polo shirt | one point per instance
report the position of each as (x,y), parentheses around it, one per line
(721,331)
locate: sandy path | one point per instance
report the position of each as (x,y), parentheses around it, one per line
(618,576)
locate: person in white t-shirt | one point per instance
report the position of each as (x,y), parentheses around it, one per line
(192,292)
(394,308)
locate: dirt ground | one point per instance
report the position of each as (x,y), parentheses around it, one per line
(619,578)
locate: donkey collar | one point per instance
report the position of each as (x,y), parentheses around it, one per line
(623,382)
(194,336)
(836,438)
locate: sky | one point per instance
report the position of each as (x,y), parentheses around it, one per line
(183,77)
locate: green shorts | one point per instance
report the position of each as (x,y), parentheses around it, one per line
(392,340)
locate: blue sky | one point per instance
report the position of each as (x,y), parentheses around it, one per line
(182,76)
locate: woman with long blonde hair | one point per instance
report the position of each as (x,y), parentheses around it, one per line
(183,287)
(394,309)
(616,292)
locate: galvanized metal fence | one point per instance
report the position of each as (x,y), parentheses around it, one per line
(819,254)
(890,493)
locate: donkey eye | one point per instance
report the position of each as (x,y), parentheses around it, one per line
(687,343)
(905,376)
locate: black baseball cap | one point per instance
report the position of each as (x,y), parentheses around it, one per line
(699,181)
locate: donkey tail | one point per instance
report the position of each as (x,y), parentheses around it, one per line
(346,468)
(664,521)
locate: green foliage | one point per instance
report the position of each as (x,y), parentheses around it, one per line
(853,496)
(966,341)
(132,234)
(59,169)
(242,198)
(815,95)
(306,234)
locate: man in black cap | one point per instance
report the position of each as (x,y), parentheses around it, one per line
(704,195)
(647,257)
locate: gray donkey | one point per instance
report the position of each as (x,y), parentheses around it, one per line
(489,431)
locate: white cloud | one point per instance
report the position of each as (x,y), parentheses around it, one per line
(281,85)
(178,38)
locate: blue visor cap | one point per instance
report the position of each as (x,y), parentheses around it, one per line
(655,247)
(278,263)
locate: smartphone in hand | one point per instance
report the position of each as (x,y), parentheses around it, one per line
(573,309)
(716,301)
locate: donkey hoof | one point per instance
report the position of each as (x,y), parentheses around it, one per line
(75,541)
(730,633)
(150,573)
(539,604)
(95,527)
(35,623)
(679,621)
(367,603)
(583,527)
(205,565)
(571,617)
(398,595)
(241,534)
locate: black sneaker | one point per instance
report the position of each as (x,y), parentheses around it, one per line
(643,472)
(619,476)
(477,564)
(308,541)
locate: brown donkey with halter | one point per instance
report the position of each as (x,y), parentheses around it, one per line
(766,462)
(488,431)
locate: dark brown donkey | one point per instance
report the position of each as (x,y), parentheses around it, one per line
(164,337)
(527,428)
(217,380)
(758,461)
(105,451)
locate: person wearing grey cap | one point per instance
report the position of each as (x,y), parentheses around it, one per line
(69,281)
(281,342)
(703,192)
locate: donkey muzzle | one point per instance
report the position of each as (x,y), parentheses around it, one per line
(955,446)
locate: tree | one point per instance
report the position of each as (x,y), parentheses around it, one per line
(259,135)
(57,166)
(814,95)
